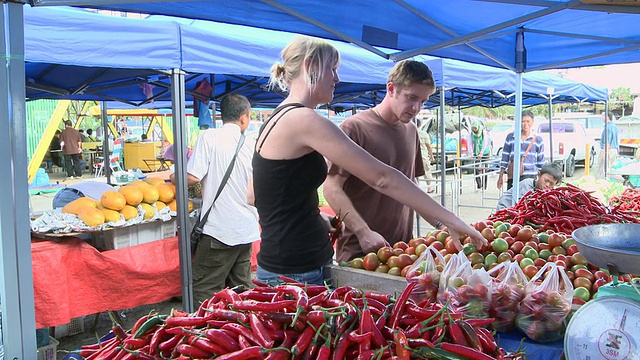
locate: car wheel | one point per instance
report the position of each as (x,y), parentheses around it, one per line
(592,158)
(570,166)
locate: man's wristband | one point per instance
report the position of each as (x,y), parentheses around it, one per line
(439,224)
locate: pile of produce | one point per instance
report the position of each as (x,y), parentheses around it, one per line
(141,198)
(629,200)
(298,321)
(601,189)
(562,209)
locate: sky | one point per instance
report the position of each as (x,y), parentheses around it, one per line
(608,76)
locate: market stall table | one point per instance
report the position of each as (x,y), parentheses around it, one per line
(72,279)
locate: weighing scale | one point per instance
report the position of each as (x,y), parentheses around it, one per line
(608,327)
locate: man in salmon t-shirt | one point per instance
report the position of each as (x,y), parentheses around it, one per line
(71,141)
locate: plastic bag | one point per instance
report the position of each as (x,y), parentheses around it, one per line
(507,291)
(468,291)
(450,268)
(546,304)
(426,272)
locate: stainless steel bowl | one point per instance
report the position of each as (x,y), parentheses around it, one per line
(617,244)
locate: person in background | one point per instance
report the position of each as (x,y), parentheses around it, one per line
(84,136)
(144,138)
(427,155)
(170,156)
(388,134)
(609,146)
(531,151)
(92,189)
(548,177)
(71,142)
(481,151)
(223,255)
(89,137)
(289,165)
(55,149)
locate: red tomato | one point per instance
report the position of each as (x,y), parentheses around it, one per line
(370,261)
(600,274)
(544,246)
(384,253)
(585,273)
(517,247)
(449,245)
(514,229)
(582,282)
(438,245)
(530,271)
(533,244)
(556,239)
(572,249)
(539,262)
(404,260)
(524,234)
(400,245)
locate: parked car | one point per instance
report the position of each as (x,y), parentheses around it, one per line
(498,134)
(570,142)
(592,123)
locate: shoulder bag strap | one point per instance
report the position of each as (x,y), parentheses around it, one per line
(225,178)
(529,147)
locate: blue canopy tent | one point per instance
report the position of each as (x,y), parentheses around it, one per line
(16,265)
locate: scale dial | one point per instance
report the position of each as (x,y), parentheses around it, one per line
(606,328)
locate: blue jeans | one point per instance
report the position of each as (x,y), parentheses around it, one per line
(317,276)
(65,196)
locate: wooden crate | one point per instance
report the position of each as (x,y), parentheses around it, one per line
(367,280)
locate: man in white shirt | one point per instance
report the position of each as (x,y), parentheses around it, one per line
(223,255)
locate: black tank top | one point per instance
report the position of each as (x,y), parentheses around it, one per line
(294,235)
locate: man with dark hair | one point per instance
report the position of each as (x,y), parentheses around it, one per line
(548,177)
(609,146)
(223,255)
(531,153)
(71,142)
(388,133)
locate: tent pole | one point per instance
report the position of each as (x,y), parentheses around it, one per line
(16,274)
(180,171)
(606,138)
(518,140)
(550,127)
(443,159)
(105,141)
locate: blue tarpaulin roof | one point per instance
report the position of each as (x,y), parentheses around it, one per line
(81,59)
(554,33)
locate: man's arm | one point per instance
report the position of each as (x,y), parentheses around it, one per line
(251,196)
(191,180)
(333,190)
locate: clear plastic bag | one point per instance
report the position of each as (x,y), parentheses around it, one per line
(507,291)
(426,272)
(450,268)
(468,290)
(546,304)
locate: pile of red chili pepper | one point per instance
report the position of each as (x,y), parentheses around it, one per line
(562,209)
(298,321)
(629,200)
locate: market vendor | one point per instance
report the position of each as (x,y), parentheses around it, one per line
(92,189)
(548,177)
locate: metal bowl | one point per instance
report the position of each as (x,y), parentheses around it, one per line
(616,244)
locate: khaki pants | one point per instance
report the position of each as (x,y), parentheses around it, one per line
(599,166)
(217,265)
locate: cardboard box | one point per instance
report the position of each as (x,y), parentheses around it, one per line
(367,280)
(122,237)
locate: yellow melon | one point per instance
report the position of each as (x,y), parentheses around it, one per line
(150,194)
(149,211)
(132,195)
(129,212)
(173,205)
(110,215)
(138,183)
(190,205)
(154,181)
(91,216)
(113,200)
(99,206)
(160,205)
(166,193)
(77,205)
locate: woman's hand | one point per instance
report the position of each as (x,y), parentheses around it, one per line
(334,227)
(460,230)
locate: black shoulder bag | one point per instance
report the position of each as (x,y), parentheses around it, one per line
(196,232)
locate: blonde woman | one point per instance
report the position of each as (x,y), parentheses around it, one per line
(289,165)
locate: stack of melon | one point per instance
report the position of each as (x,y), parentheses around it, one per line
(125,202)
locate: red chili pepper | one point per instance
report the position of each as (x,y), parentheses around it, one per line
(139,323)
(132,343)
(487,341)
(465,351)
(171,343)
(252,305)
(438,334)
(228,315)
(187,321)
(392,322)
(155,341)
(303,341)
(203,343)
(260,331)
(402,345)
(325,350)
(193,351)
(420,342)
(456,334)
(243,331)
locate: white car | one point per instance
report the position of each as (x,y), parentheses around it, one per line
(498,135)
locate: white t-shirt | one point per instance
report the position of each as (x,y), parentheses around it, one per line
(232,221)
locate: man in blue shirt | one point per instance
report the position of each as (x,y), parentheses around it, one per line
(608,145)
(531,152)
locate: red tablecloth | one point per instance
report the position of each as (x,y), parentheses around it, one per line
(72,279)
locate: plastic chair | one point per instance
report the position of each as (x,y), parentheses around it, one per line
(114,164)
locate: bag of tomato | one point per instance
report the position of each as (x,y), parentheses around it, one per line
(426,272)
(544,309)
(468,290)
(507,291)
